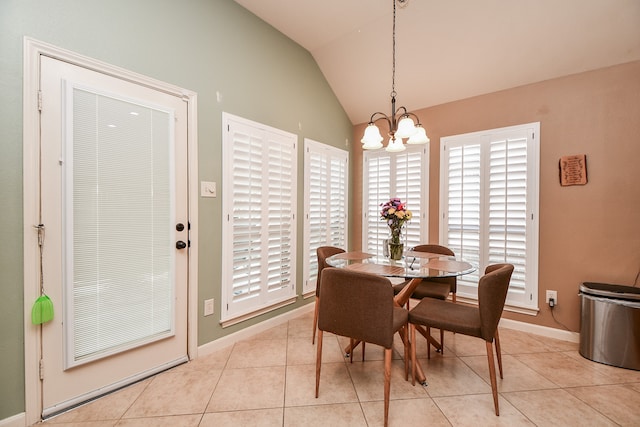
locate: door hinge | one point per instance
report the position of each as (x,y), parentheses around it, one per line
(41,369)
(39,100)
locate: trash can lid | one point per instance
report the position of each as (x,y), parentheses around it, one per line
(607,290)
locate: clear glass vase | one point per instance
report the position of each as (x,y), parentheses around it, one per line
(396,247)
(396,250)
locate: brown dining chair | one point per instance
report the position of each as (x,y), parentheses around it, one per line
(438,288)
(323,252)
(481,321)
(360,306)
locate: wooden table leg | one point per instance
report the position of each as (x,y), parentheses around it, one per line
(430,340)
(400,300)
(348,349)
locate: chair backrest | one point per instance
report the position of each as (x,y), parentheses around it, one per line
(438,249)
(492,293)
(324,252)
(357,305)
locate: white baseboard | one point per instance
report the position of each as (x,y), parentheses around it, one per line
(250,331)
(544,331)
(19,420)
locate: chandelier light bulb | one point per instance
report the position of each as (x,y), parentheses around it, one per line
(406,127)
(395,145)
(372,140)
(419,137)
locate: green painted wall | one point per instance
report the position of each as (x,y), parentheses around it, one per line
(206,46)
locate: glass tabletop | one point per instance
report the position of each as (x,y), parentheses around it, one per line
(413,264)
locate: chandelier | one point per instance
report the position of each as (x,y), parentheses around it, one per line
(401,124)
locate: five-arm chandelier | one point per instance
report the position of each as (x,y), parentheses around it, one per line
(401,124)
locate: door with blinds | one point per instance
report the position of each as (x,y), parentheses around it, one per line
(489,205)
(404,175)
(114,207)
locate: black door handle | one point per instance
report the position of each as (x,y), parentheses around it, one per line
(180,244)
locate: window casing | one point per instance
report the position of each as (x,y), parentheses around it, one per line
(326,178)
(386,175)
(489,206)
(258,212)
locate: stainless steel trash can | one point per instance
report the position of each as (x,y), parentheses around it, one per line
(610,324)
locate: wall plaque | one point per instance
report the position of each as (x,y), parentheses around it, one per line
(573,170)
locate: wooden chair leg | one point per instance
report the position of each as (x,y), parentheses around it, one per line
(405,340)
(387,383)
(498,352)
(351,344)
(318,361)
(441,341)
(413,353)
(364,344)
(492,375)
(428,343)
(315,321)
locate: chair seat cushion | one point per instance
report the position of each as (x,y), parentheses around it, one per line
(447,315)
(427,289)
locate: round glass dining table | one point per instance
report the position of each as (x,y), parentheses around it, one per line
(413,267)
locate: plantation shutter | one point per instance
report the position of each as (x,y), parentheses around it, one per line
(507,234)
(377,172)
(326,204)
(403,175)
(281,212)
(409,187)
(259,216)
(464,204)
(490,200)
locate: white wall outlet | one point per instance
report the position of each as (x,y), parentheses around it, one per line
(207,189)
(208,307)
(554,295)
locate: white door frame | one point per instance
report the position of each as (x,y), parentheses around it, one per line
(32,51)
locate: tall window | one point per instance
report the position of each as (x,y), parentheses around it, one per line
(489,205)
(326,173)
(259,172)
(388,175)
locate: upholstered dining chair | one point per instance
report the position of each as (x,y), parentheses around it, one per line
(322,252)
(438,288)
(481,321)
(360,306)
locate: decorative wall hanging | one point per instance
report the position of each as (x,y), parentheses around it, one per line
(573,170)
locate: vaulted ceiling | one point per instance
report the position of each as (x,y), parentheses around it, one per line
(451,49)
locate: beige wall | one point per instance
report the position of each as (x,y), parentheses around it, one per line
(587,233)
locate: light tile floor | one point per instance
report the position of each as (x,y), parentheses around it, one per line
(269,380)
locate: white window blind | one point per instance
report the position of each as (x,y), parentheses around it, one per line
(259,225)
(120,272)
(490,205)
(326,174)
(387,175)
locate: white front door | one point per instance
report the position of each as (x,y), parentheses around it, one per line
(115,212)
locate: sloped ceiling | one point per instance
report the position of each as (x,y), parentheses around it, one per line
(451,49)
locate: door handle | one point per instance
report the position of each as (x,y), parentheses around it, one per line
(180,244)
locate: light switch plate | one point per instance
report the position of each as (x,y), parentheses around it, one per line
(207,189)
(208,307)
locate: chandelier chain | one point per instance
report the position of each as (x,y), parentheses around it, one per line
(393,68)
